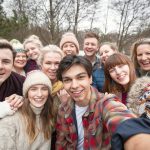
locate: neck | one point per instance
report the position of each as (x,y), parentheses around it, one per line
(91,58)
(19,70)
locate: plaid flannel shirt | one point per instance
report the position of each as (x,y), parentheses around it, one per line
(99,122)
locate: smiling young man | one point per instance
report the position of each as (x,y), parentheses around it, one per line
(88,120)
(91,46)
(10,82)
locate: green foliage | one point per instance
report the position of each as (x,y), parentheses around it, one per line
(11,25)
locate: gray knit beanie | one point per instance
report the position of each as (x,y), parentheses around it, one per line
(36,77)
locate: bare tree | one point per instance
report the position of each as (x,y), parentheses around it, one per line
(130,12)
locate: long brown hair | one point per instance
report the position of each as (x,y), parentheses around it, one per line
(46,118)
(110,85)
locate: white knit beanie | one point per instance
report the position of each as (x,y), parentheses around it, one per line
(69,37)
(36,77)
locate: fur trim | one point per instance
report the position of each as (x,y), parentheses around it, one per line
(136,91)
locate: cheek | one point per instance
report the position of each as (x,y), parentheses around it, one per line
(66,86)
(112,75)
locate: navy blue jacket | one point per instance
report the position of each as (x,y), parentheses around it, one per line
(98,78)
(129,128)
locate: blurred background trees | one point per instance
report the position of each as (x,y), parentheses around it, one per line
(49,19)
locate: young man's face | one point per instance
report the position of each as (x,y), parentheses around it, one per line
(77,83)
(6,64)
(90,46)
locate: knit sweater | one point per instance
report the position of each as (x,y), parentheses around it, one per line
(13,133)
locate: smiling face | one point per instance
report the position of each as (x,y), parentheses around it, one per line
(38,95)
(32,50)
(120,74)
(6,64)
(105,51)
(50,65)
(90,47)
(143,56)
(77,83)
(69,49)
(20,60)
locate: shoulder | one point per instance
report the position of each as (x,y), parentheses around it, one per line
(17,77)
(10,121)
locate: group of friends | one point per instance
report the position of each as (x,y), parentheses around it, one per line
(53,98)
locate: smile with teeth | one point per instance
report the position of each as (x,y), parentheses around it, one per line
(38,100)
(121,77)
(77,93)
(145,63)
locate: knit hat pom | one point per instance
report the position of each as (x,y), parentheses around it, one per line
(17,46)
(69,37)
(36,77)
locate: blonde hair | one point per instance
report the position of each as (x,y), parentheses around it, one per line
(33,39)
(48,49)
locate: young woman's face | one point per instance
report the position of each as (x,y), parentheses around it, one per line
(69,49)
(120,74)
(20,60)
(105,51)
(38,95)
(50,65)
(143,56)
(33,50)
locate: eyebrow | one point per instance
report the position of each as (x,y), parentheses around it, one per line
(82,73)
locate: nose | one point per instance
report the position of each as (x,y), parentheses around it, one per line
(117,70)
(74,84)
(39,92)
(20,58)
(143,57)
(53,66)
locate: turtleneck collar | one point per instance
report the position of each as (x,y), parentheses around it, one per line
(36,110)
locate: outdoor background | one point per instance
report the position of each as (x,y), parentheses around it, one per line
(118,21)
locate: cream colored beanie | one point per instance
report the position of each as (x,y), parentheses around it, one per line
(69,37)
(36,77)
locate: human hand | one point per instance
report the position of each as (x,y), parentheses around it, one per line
(5,109)
(63,96)
(15,101)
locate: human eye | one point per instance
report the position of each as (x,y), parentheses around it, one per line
(111,70)
(45,88)
(33,89)
(57,63)
(6,61)
(48,63)
(81,77)
(66,80)
(139,54)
